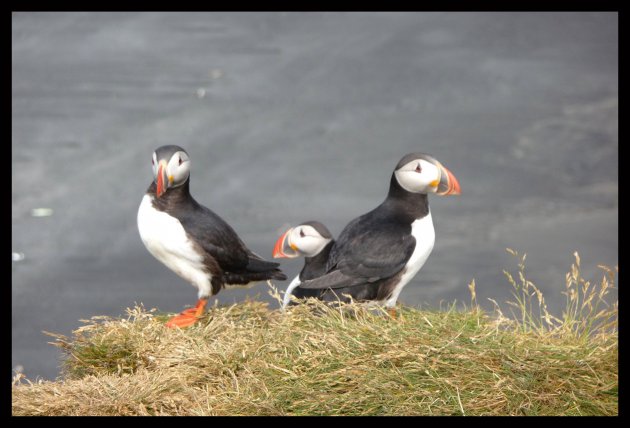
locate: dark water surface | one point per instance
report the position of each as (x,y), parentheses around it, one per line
(296,116)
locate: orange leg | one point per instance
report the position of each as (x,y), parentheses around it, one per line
(189,316)
(392,312)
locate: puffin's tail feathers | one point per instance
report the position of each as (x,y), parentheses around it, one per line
(260,265)
(278,274)
(243,278)
(257,269)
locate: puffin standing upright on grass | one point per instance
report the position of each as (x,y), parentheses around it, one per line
(378,253)
(191,240)
(313,241)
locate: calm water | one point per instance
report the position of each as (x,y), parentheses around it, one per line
(296,116)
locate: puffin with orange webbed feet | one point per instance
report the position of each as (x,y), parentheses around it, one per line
(192,240)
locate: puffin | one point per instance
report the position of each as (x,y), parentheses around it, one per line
(313,241)
(191,239)
(379,252)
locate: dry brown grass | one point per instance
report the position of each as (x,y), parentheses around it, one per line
(246,359)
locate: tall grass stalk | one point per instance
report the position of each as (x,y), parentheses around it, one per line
(586,311)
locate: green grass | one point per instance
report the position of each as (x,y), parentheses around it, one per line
(247,359)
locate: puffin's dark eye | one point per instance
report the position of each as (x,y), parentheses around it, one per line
(301,233)
(418,169)
(180,160)
(152,162)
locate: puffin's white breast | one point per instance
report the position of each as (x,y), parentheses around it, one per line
(166,240)
(421,229)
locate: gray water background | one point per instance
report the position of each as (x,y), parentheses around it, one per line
(296,116)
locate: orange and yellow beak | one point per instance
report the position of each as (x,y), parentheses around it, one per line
(284,248)
(162,179)
(448,184)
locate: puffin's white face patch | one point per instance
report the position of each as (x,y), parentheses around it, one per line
(177,169)
(307,240)
(154,165)
(418,176)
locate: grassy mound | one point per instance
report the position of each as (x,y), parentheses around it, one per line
(246,359)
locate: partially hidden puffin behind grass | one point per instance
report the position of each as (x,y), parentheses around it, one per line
(313,241)
(378,253)
(191,240)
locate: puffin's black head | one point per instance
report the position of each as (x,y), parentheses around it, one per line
(307,239)
(171,168)
(422,173)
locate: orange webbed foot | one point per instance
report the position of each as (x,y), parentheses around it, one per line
(188,316)
(182,321)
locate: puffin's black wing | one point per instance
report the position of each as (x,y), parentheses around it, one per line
(365,254)
(224,252)
(217,238)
